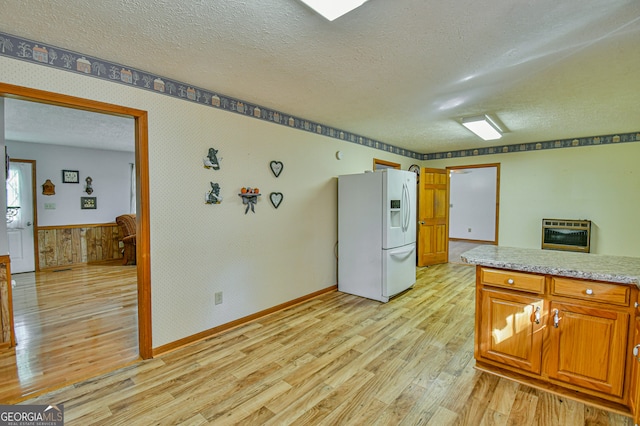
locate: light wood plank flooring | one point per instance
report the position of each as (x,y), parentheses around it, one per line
(70,325)
(456,248)
(337,359)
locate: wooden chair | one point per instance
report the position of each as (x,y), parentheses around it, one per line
(127,224)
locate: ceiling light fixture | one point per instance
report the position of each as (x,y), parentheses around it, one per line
(333,9)
(483,126)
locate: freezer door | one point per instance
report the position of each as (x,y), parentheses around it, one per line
(398,269)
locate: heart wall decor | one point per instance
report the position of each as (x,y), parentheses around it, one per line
(276,198)
(276,167)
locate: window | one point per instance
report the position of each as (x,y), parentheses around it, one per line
(15,182)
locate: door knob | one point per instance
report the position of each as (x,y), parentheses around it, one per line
(421,222)
(28,223)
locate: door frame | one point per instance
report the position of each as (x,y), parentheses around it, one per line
(34,209)
(384,164)
(497,218)
(143,241)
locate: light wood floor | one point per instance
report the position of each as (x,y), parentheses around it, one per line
(70,325)
(456,248)
(335,360)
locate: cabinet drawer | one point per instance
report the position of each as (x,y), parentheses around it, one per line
(514,280)
(590,290)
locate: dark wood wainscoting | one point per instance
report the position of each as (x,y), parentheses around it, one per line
(76,244)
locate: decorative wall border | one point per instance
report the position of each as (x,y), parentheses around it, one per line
(45,54)
(538,146)
(67,60)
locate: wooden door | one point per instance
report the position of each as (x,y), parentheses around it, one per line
(510,329)
(587,347)
(20,232)
(433,217)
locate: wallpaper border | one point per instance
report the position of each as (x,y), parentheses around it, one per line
(67,60)
(538,146)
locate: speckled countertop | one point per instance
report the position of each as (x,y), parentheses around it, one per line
(617,269)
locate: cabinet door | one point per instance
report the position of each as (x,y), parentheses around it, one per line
(587,346)
(510,329)
(634,398)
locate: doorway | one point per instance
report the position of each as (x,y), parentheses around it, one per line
(474,203)
(474,206)
(142,293)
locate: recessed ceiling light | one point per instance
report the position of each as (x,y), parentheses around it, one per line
(483,126)
(333,9)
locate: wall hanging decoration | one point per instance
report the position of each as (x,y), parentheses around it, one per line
(70,176)
(213,196)
(88,188)
(88,203)
(249,198)
(48,188)
(276,167)
(276,198)
(211,160)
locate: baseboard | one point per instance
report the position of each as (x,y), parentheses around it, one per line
(189,340)
(462,240)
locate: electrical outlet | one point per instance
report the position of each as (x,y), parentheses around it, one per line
(218,297)
(49,206)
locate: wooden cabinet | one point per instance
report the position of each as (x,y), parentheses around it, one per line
(509,330)
(586,346)
(558,333)
(634,397)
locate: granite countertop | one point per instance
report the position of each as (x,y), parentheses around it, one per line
(617,269)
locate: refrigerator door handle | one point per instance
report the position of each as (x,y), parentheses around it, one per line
(407,207)
(402,253)
(404,207)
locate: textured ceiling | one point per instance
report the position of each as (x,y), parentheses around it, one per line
(403,72)
(43,123)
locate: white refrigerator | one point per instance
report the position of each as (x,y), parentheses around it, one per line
(377,233)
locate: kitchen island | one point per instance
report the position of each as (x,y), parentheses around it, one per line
(564,322)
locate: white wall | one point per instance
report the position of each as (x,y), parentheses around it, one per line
(258,260)
(472,200)
(600,183)
(110,171)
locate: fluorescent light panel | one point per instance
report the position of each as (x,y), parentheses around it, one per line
(333,9)
(482,126)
